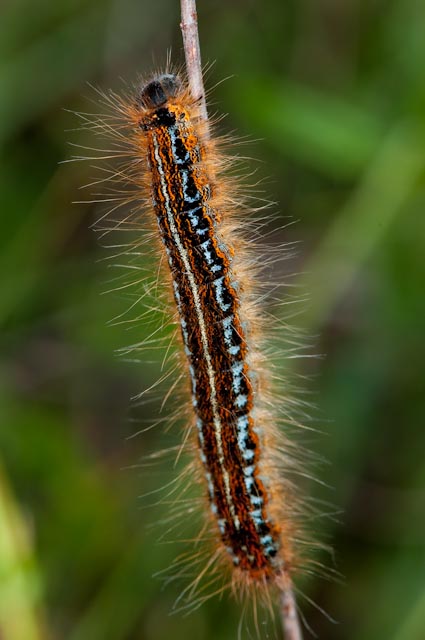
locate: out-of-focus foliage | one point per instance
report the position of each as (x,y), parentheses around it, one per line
(335,91)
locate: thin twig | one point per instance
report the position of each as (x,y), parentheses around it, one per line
(189,29)
(290,619)
(192,52)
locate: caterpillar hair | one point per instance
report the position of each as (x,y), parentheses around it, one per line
(181,197)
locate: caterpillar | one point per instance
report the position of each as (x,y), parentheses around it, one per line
(215,342)
(240,456)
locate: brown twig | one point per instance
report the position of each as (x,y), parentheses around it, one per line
(290,620)
(189,29)
(192,51)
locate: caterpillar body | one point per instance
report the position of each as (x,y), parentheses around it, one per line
(242,457)
(215,342)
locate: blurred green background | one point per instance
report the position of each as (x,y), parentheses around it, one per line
(334,90)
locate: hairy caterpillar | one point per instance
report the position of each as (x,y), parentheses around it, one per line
(240,456)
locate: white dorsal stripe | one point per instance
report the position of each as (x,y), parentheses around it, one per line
(202,328)
(241,399)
